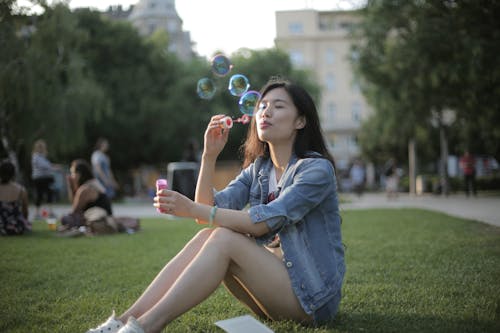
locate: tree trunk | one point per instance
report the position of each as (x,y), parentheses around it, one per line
(443,165)
(412,168)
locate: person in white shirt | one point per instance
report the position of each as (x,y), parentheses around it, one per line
(42,174)
(101,166)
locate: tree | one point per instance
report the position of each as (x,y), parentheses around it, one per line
(84,76)
(152,94)
(44,84)
(417,59)
(11,83)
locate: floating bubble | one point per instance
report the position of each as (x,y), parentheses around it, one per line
(221,65)
(248,101)
(238,84)
(205,88)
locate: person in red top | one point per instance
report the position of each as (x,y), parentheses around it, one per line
(467,164)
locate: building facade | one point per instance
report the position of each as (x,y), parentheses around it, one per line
(149,16)
(320,41)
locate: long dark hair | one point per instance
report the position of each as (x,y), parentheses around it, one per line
(7,171)
(82,168)
(309,138)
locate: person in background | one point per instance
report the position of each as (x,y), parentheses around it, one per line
(91,207)
(357,175)
(42,174)
(101,166)
(468,166)
(289,183)
(84,191)
(391,179)
(13,202)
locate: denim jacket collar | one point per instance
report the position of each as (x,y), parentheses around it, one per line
(264,172)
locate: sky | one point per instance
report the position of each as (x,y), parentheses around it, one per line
(228,25)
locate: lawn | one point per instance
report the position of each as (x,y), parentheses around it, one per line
(408,270)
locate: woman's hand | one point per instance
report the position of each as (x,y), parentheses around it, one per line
(215,137)
(174,203)
(71,183)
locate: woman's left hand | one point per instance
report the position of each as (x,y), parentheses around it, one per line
(174,203)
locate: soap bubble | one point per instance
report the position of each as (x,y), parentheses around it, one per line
(221,65)
(238,85)
(205,88)
(248,101)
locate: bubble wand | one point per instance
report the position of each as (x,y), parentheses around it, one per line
(227,122)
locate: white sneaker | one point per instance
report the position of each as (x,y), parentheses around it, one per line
(131,327)
(112,325)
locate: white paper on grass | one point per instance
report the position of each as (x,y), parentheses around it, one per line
(243,324)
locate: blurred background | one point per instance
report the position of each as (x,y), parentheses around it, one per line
(412,83)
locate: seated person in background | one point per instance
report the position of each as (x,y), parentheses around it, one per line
(84,191)
(13,202)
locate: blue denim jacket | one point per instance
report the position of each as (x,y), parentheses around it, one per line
(305,215)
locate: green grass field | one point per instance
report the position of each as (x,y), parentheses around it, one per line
(408,270)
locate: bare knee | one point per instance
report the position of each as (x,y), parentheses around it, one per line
(204,233)
(224,239)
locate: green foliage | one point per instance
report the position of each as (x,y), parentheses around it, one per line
(141,80)
(419,57)
(61,92)
(79,76)
(43,85)
(12,73)
(408,270)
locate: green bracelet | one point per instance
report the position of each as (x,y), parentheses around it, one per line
(212,215)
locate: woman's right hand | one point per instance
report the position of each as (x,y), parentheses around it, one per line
(71,183)
(215,137)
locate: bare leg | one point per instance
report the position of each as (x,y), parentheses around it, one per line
(167,276)
(261,272)
(238,290)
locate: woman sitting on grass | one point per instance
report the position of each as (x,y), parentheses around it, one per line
(84,192)
(13,202)
(289,183)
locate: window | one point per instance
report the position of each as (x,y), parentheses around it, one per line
(172,26)
(297,58)
(152,28)
(352,141)
(355,86)
(329,56)
(331,112)
(326,23)
(348,26)
(354,55)
(295,28)
(356,111)
(330,82)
